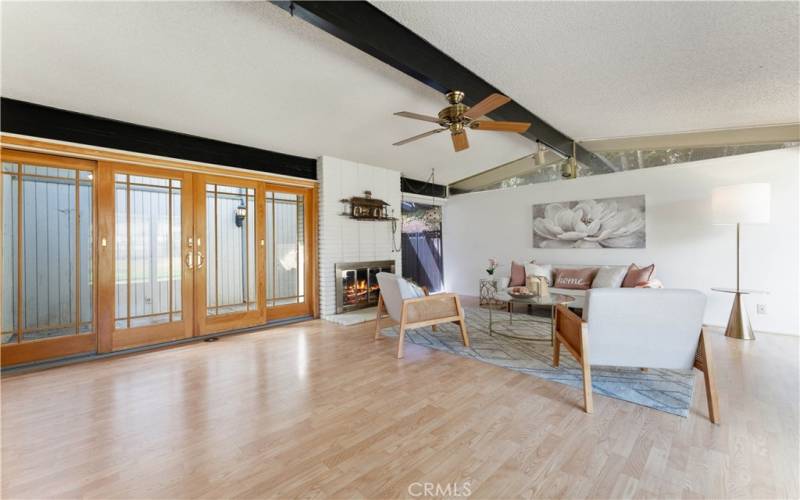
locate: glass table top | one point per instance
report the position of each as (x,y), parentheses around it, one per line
(549,299)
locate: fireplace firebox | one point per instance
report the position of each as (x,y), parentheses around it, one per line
(357,284)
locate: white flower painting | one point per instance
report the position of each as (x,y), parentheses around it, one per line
(603,223)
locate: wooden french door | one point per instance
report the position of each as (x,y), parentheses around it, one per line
(101,256)
(146,256)
(290,251)
(48,257)
(229,253)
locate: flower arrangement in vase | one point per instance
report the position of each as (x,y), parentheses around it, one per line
(492,266)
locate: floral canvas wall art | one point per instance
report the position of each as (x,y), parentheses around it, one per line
(600,223)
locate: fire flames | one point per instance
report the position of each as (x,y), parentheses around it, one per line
(359,291)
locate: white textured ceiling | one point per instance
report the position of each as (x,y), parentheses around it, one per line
(249,73)
(609,69)
(246,73)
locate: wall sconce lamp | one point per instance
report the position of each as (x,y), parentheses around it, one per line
(241,215)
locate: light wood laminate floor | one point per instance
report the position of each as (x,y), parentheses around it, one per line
(320,410)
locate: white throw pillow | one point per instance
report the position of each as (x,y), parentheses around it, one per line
(409,290)
(609,277)
(543,270)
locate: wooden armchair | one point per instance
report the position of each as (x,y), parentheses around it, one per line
(644,328)
(401,302)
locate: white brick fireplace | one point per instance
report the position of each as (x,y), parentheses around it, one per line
(342,239)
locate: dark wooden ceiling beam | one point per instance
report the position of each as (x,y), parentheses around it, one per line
(36,120)
(369,29)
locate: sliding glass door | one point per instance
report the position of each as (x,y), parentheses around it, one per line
(287,252)
(106,256)
(229,248)
(47,256)
(147,252)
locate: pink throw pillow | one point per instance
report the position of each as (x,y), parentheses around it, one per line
(575,279)
(517,274)
(637,275)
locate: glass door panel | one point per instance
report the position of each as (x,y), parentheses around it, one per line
(228,254)
(231,249)
(152,261)
(286,251)
(47,256)
(147,250)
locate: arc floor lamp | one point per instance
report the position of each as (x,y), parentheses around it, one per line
(738,205)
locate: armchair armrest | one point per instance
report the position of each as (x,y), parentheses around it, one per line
(569,329)
(570,332)
(432,308)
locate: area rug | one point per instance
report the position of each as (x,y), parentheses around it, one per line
(665,390)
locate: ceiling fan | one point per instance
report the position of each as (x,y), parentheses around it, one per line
(457,117)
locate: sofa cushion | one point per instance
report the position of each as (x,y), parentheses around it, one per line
(574,279)
(653,283)
(543,270)
(638,275)
(517,274)
(609,277)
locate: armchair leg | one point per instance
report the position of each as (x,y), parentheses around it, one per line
(461,323)
(556,352)
(587,387)
(464,335)
(704,363)
(401,338)
(378,317)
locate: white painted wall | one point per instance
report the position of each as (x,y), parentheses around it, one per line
(689,252)
(346,240)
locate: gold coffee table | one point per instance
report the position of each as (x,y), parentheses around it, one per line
(550,300)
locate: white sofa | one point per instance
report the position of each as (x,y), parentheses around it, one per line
(502,284)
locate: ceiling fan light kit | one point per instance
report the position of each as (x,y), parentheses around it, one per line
(569,168)
(457,117)
(540,153)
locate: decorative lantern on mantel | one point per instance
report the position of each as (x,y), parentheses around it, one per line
(366,208)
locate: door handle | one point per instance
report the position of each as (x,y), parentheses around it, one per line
(188,260)
(200,260)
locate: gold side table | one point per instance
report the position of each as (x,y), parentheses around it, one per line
(487,292)
(739,321)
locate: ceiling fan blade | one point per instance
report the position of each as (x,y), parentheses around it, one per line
(500,126)
(460,141)
(417,116)
(420,136)
(487,105)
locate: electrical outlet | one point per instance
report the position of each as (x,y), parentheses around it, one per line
(761,309)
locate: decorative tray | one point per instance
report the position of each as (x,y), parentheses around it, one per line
(520,293)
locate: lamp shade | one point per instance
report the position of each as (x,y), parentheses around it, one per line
(741,204)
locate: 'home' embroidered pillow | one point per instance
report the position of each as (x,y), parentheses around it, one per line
(575,279)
